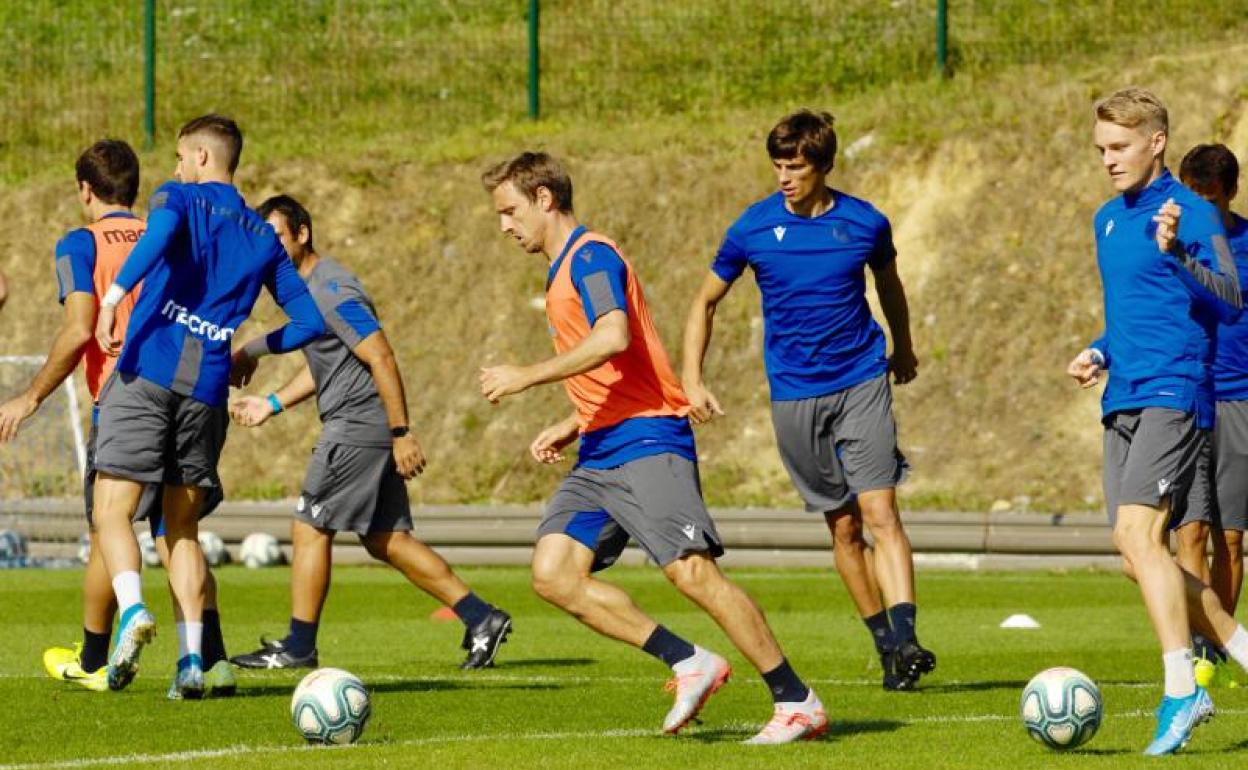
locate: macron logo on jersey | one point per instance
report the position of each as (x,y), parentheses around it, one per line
(779,231)
(198,326)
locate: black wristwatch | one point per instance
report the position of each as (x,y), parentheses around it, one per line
(400,431)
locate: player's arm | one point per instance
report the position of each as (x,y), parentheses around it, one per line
(4,290)
(609,337)
(306,322)
(252,411)
(376,353)
(697,340)
(1213,281)
(163,222)
(548,446)
(892,294)
(74,335)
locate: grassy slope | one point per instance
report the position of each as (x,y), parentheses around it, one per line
(562,697)
(989,179)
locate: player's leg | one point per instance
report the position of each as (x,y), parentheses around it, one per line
(310,572)
(187,577)
(115,501)
(1228,566)
(1230,461)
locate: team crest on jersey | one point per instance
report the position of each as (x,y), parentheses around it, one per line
(1109,227)
(839,234)
(779,231)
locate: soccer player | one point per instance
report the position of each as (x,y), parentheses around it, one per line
(4,290)
(203,260)
(1212,171)
(87,260)
(809,246)
(365,452)
(1168,278)
(637,475)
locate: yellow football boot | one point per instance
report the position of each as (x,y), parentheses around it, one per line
(65,664)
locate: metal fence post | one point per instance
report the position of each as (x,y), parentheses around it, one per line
(149,74)
(534,60)
(942,37)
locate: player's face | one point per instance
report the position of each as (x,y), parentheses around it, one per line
(186,170)
(288,239)
(1128,154)
(797,179)
(520,217)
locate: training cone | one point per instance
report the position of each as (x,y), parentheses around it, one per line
(443,614)
(1020,621)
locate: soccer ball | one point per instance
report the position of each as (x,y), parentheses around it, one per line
(260,549)
(12,544)
(147,549)
(214,549)
(330,706)
(1061,708)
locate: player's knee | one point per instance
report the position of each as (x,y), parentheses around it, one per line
(558,587)
(693,573)
(377,546)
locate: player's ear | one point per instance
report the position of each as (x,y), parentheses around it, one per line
(1159,142)
(85,193)
(304,235)
(545,199)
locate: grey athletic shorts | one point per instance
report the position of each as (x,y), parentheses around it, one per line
(151,434)
(354,489)
(1230,442)
(840,445)
(656,500)
(1153,454)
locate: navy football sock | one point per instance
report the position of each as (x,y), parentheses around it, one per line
(902,617)
(667,647)
(785,685)
(472,609)
(94,650)
(213,642)
(301,640)
(881,632)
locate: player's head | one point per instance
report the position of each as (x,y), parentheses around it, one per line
(1132,127)
(108,172)
(530,191)
(802,147)
(208,147)
(292,222)
(1213,172)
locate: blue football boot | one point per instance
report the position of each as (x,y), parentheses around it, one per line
(1176,719)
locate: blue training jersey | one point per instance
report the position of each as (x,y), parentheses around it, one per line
(1161,312)
(203,260)
(1230,363)
(819,335)
(601,279)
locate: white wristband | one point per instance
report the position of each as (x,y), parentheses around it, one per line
(114,295)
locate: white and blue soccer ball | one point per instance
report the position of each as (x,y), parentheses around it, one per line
(12,544)
(330,706)
(214,549)
(1062,708)
(260,549)
(147,549)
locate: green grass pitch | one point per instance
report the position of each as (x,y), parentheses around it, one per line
(564,697)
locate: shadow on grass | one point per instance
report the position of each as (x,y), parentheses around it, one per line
(1000,684)
(1099,752)
(838,729)
(544,662)
(413,685)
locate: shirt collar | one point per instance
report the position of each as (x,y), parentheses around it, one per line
(1154,194)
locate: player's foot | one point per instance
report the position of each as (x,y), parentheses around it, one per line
(136,630)
(483,640)
(1176,719)
(219,680)
(794,722)
(696,680)
(65,664)
(1214,674)
(893,680)
(188,683)
(914,661)
(273,654)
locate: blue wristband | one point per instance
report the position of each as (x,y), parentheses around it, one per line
(273,402)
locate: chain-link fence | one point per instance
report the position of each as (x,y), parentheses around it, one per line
(316,76)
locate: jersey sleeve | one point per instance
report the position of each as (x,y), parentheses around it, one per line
(601,278)
(882,251)
(75,263)
(166,216)
(291,293)
(348,314)
(168,196)
(1206,266)
(732,258)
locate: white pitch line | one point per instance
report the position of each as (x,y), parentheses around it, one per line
(241,750)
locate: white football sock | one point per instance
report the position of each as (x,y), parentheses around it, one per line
(1237,647)
(190,639)
(1180,678)
(129,589)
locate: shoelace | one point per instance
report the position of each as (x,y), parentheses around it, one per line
(785,718)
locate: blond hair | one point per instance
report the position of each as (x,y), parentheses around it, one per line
(1134,107)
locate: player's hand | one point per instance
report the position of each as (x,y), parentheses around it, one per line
(408,456)
(104,330)
(1085,369)
(1167,220)
(251,411)
(12,413)
(504,380)
(703,406)
(242,368)
(904,365)
(548,447)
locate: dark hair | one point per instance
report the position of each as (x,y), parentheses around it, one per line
(529,171)
(1205,164)
(112,170)
(292,211)
(223,130)
(807,134)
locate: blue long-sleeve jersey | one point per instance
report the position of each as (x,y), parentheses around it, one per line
(202,261)
(1162,309)
(1230,365)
